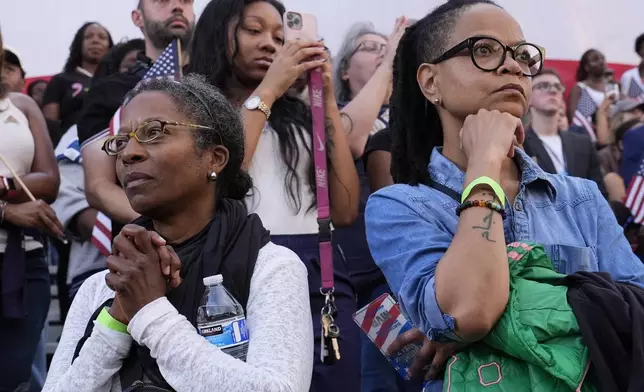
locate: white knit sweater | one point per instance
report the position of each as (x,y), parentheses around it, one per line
(280,351)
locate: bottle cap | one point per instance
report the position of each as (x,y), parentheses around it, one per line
(213,280)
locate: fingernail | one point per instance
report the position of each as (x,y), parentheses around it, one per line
(161,239)
(166,270)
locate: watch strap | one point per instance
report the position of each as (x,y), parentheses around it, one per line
(265,109)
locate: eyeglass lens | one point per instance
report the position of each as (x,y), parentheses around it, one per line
(145,133)
(488,55)
(371,47)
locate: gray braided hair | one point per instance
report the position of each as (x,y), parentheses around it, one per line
(205,105)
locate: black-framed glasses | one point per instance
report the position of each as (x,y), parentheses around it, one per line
(146,132)
(547,86)
(370,47)
(488,54)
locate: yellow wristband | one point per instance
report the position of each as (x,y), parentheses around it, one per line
(498,191)
(105,319)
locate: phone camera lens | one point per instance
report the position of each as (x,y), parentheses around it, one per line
(297,21)
(289,24)
(290,16)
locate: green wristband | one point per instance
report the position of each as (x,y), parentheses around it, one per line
(487,181)
(105,319)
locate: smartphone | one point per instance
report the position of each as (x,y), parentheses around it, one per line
(612,89)
(299,25)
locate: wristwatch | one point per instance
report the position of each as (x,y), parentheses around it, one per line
(255,103)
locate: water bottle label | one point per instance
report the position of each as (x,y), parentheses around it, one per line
(226,333)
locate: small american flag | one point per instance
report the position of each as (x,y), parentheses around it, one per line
(585,109)
(635,195)
(168,65)
(635,91)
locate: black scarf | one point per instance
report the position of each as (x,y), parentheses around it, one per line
(229,244)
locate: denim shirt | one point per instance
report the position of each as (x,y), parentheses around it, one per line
(409,228)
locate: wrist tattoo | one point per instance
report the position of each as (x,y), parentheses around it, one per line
(486,226)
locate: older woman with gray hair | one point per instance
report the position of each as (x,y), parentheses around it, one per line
(133,327)
(363,75)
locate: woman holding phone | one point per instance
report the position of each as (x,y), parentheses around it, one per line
(462,83)
(240,47)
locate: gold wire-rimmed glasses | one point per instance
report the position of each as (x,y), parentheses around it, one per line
(146,132)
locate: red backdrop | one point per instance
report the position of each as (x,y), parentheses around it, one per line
(566,68)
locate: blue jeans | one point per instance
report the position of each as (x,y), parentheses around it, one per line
(344,375)
(19,337)
(378,375)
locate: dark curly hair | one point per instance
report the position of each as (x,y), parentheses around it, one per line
(75,58)
(415,125)
(204,104)
(111,62)
(290,116)
(639,42)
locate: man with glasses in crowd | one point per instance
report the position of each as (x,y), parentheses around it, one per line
(556,150)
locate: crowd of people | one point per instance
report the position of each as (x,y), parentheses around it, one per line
(504,220)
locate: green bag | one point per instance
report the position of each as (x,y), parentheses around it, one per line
(536,346)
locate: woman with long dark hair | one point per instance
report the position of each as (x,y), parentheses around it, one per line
(66,91)
(239,46)
(462,83)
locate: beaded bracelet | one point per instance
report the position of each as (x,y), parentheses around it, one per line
(481,203)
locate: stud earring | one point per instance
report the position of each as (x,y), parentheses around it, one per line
(212,176)
(437,101)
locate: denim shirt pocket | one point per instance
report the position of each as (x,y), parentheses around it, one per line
(568,259)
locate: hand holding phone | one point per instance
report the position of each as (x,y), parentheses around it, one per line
(301,53)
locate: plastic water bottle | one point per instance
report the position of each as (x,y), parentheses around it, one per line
(221,319)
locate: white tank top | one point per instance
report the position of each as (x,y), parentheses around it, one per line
(269,197)
(17,147)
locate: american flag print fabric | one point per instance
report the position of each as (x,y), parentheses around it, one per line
(635,91)
(583,115)
(635,195)
(383,322)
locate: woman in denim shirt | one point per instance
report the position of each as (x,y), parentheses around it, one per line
(462,81)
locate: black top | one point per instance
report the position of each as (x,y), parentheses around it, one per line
(104,99)
(611,319)
(352,240)
(67,89)
(381,141)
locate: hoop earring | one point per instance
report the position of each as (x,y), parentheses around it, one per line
(212,176)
